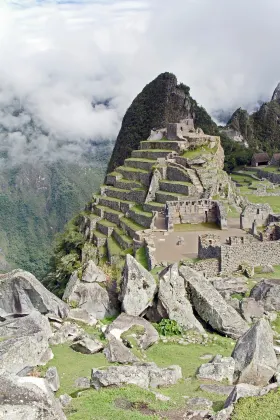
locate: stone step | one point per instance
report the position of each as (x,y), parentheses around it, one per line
(154,206)
(109,214)
(141,217)
(151,154)
(177,187)
(115,203)
(105,227)
(119,193)
(163,197)
(127,184)
(146,164)
(130,227)
(113,177)
(135,174)
(98,238)
(123,240)
(176,146)
(138,195)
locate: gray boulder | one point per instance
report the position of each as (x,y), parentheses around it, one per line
(28,398)
(199,403)
(145,334)
(230,285)
(242,391)
(210,305)
(251,309)
(217,389)
(92,273)
(66,332)
(92,297)
(224,414)
(87,346)
(138,288)
(78,314)
(82,383)
(144,375)
(268,291)
(220,369)
(52,378)
(117,352)
(24,342)
(254,355)
(21,293)
(173,297)
(65,400)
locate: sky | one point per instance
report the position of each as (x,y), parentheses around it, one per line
(62,60)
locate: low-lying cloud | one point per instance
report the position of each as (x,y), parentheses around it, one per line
(69,69)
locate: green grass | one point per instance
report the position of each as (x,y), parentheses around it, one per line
(99,234)
(116,189)
(109,210)
(114,247)
(106,223)
(155,150)
(175,195)
(258,408)
(140,160)
(273,169)
(113,199)
(141,257)
(275,275)
(128,169)
(274,202)
(200,151)
(188,227)
(133,225)
(176,182)
(139,210)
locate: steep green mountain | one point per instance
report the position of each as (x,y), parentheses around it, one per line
(36,200)
(161,102)
(260,130)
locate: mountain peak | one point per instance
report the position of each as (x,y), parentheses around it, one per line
(276,94)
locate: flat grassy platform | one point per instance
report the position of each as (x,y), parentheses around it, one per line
(188,227)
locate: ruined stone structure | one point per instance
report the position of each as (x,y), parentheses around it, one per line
(260,159)
(271,176)
(258,213)
(195,211)
(209,246)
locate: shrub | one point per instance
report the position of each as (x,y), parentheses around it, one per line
(168,327)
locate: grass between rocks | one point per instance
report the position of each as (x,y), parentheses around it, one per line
(189,227)
(258,408)
(132,402)
(275,275)
(141,257)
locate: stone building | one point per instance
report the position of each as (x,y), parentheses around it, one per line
(260,159)
(275,160)
(177,131)
(258,213)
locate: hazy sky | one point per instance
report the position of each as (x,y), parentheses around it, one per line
(60,57)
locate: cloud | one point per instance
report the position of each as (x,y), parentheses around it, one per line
(61,61)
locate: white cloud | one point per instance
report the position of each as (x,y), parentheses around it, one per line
(57,58)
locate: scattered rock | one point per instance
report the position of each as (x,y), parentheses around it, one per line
(144,375)
(247,270)
(138,288)
(87,346)
(25,342)
(219,369)
(92,273)
(251,309)
(224,414)
(206,357)
(65,400)
(66,333)
(241,391)
(28,398)
(116,351)
(146,335)
(173,297)
(82,315)
(21,293)
(91,297)
(199,403)
(255,359)
(268,291)
(217,389)
(52,378)
(230,285)
(82,383)
(210,305)
(161,397)
(267,269)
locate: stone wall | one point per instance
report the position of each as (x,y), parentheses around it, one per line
(208,267)
(273,177)
(195,211)
(253,252)
(209,246)
(177,174)
(255,212)
(140,218)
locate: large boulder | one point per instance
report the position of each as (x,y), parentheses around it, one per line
(138,288)
(227,286)
(87,345)
(117,352)
(251,309)
(210,305)
(52,378)
(173,297)
(24,342)
(21,293)
(90,294)
(144,375)
(242,391)
(144,332)
(66,332)
(220,369)
(28,398)
(254,355)
(268,292)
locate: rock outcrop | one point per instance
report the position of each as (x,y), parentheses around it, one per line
(28,398)
(145,375)
(173,298)
(87,345)
(138,288)
(21,293)
(254,355)
(267,292)
(210,305)
(90,293)
(219,369)
(24,342)
(117,352)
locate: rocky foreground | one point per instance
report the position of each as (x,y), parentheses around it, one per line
(33,322)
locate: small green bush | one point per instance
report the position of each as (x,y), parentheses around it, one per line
(168,327)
